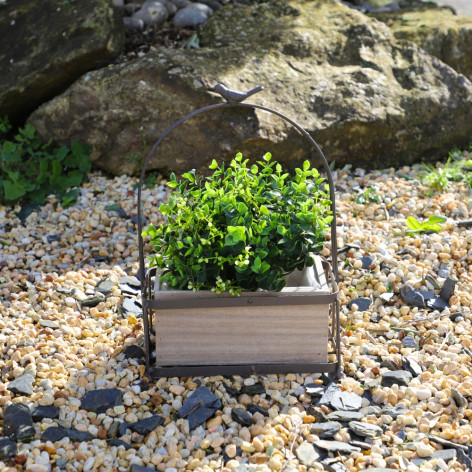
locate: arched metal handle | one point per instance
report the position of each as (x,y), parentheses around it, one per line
(303,132)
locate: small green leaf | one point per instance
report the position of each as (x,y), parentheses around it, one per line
(413,223)
(306,165)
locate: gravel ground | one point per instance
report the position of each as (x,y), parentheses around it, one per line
(407,385)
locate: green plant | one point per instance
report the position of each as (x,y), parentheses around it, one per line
(431,225)
(439,178)
(368,195)
(31,170)
(242,228)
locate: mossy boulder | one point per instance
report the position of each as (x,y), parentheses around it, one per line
(438,31)
(366,98)
(45,45)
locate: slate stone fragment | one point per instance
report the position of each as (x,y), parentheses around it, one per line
(49,324)
(445,454)
(335,467)
(53,434)
(411,366)
(8,448)
(61,462)
(306,454)
(427,294)
(128,290)
(93,301)
(370,410)
(17,422)
(363,303)
(386,297)
(233,392)
(362,444)
(201,397)
(99,401)
(121,428)
(447,443)
(105,287)
(394,411)
(199,416)
(458,398)
(346,401)
(79,436)
(409,342)
(256,389)
(345,416)
(141,468)
(131,306)
(399,377)
(130,280)
(51,238)
(118,442)
(336,446)
(253,408)
(133,352)
(411,296)
(370,384)
(22,385)
(317,413)
(326,430)
(242,417)
(329,393)
(447,290)
(465,458)
(315,390)
(437,303)
(365,429)
(432,281)
(367,261)
(147,425)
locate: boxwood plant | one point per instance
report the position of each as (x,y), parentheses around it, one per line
(242,228)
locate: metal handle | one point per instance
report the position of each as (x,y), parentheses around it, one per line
(302,131)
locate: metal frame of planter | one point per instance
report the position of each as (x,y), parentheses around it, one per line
(149,304)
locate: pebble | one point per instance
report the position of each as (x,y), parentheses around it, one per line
(64,350)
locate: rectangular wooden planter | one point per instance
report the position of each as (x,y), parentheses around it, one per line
(205,333)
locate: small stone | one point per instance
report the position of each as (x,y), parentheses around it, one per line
(394,411)
(345,416)
(326,430)
(105,287)
(22,385)
(142,468)
(17,422)
(411,366)
(445,454)
(79,436)
(315,390)
(130,280)
(99,401)
(256,389)
(307,454)
(411,296)
(317,413)
(130,306)
(93,301)
(147,425)
(447,290)
(432,281)
(242,417)
(8,448)
(201,397)
(253,408)
(128,290)
(363,303)
(53,434)
(230,450)
(386,297)
(133,352)
(458,398)
(336,446)
(152,13)
(49,324)
(365,429)
(40,412)
(192,15)
(119,442)
(329,394)
(399,377)
(437,303)
(409,342)
(346,401)
(367,261)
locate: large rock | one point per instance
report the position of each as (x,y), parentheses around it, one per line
(438,31)
(366,98)
(46,45)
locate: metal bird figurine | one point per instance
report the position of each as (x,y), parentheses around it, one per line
(233,96)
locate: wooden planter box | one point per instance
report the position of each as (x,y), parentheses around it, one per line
(288,328)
